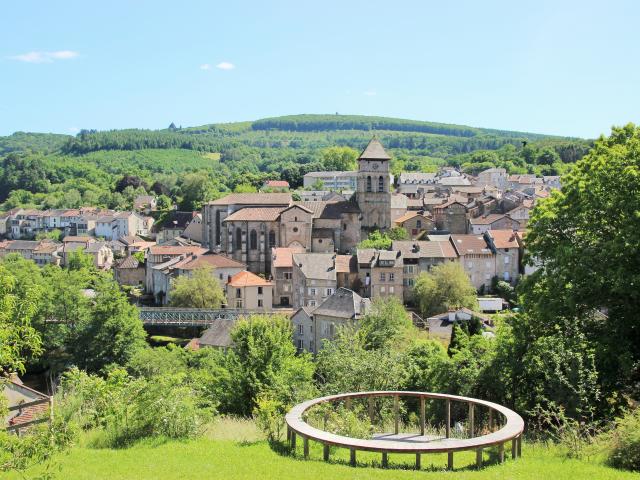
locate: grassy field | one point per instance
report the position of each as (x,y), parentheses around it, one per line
(234,450)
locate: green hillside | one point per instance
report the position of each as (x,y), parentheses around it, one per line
(95,167)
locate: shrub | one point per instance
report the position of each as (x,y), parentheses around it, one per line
(624,442)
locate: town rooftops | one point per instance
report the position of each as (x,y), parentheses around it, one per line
(319,266)
(176,250)
(424,249)
(283,257)
(417,177)
(470,245)
(248,279)
(129,262)
(214,260)
(280,199)
(365,255)
(503,238)
(78,239)
(23,245)
(411,214)
(276,184)
(346,264)
(344,303)
(255,214)
(374,151)
(486,219)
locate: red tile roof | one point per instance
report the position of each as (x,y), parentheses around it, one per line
(503,238)
(248,279)
(276,183)
(255,214)
(214,260)
(283,257)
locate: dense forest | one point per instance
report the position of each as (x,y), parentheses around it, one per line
(195,164)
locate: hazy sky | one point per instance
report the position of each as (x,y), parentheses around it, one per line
(569,68)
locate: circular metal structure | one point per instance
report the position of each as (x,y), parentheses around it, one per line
(511,429)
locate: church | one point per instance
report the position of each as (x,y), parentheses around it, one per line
(247,226)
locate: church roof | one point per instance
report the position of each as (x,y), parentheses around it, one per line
(374,151)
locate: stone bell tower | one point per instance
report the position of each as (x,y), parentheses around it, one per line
(373,193)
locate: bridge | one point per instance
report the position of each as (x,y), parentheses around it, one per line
(188,317)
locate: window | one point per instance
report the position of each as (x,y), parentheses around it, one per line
(238,293)
(301,329)
(344,226)
(392,277)
(300,344)
(287,275)
(253,240)
(391,289)
(259,290)
(369,184)
(311,303)
(329,292)
(260,304)
(238,239)
(221,275)
(506,260)
(381,184)
(383,277)
(295,229)
(272,239)
(238,303)
(313,292)
(418,223)
(382,290)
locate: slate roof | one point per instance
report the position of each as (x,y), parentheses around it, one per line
(424,249)
(365,255)
(470,244)
(129,262)
(255,214)
(330,210)
(486,219)
(283,199)
(344,303)
(374,151)
(417,177)
(398,200)
(218,335)
(409,215)
(320,266)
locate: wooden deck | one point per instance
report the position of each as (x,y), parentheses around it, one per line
(418,443)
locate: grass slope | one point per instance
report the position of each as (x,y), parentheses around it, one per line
(230,450)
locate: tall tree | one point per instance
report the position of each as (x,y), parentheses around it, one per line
(200,290)
(446,285)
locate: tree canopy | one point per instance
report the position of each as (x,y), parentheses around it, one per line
(446,285)
(201,289)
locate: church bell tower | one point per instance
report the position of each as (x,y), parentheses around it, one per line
(374,187)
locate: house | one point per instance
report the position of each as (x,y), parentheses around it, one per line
(129,271)
(399,203)
(173,225)
(26,406)
(119,224)
(441,325)
(420,256)
(413,184)
(248,291)
(507,253)
(492,221)
(145,203)
(100,251)
(416,223)
(159,259)
(217,335)
(222,266)
(451,216)
(347,272)
(282,275)
(386,275)
(312,326)
(495,177)
(520,214)
(332,180)
(193,231)
(476,257)
(276,184)
(314,278)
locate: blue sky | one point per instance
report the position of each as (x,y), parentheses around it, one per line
(568,68)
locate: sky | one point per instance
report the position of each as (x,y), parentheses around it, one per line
(557,67)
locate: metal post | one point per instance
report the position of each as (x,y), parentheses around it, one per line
(471,420)
(418,461)
(385,460)
(448,426)
(395,414)
(305,444)
(325,452)
(422,416)
(501,453)
(352,457)
(449,460)
(514,448)
(372,411)
(520,445)
(479,458)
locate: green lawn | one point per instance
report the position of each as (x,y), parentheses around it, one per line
(227,452)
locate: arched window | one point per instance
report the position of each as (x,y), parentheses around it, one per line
(218,227)
(272,239)
(238,239)
(368,184)
(381,184)
(253,240)
(418,223)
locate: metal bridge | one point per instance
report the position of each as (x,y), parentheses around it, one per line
(188,317)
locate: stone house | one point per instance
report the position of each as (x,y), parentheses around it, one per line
(314,278)
(129,271)
(248,291)
(507,253)
(520,214)
(476,257)
(451,216)
(173,225)
(496,177)
(282,275)
(416,223)
(386,275)
(163,256)
(311,327)
(347,272)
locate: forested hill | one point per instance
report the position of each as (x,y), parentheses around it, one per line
(96,167)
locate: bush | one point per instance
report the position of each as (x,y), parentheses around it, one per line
(624,442)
